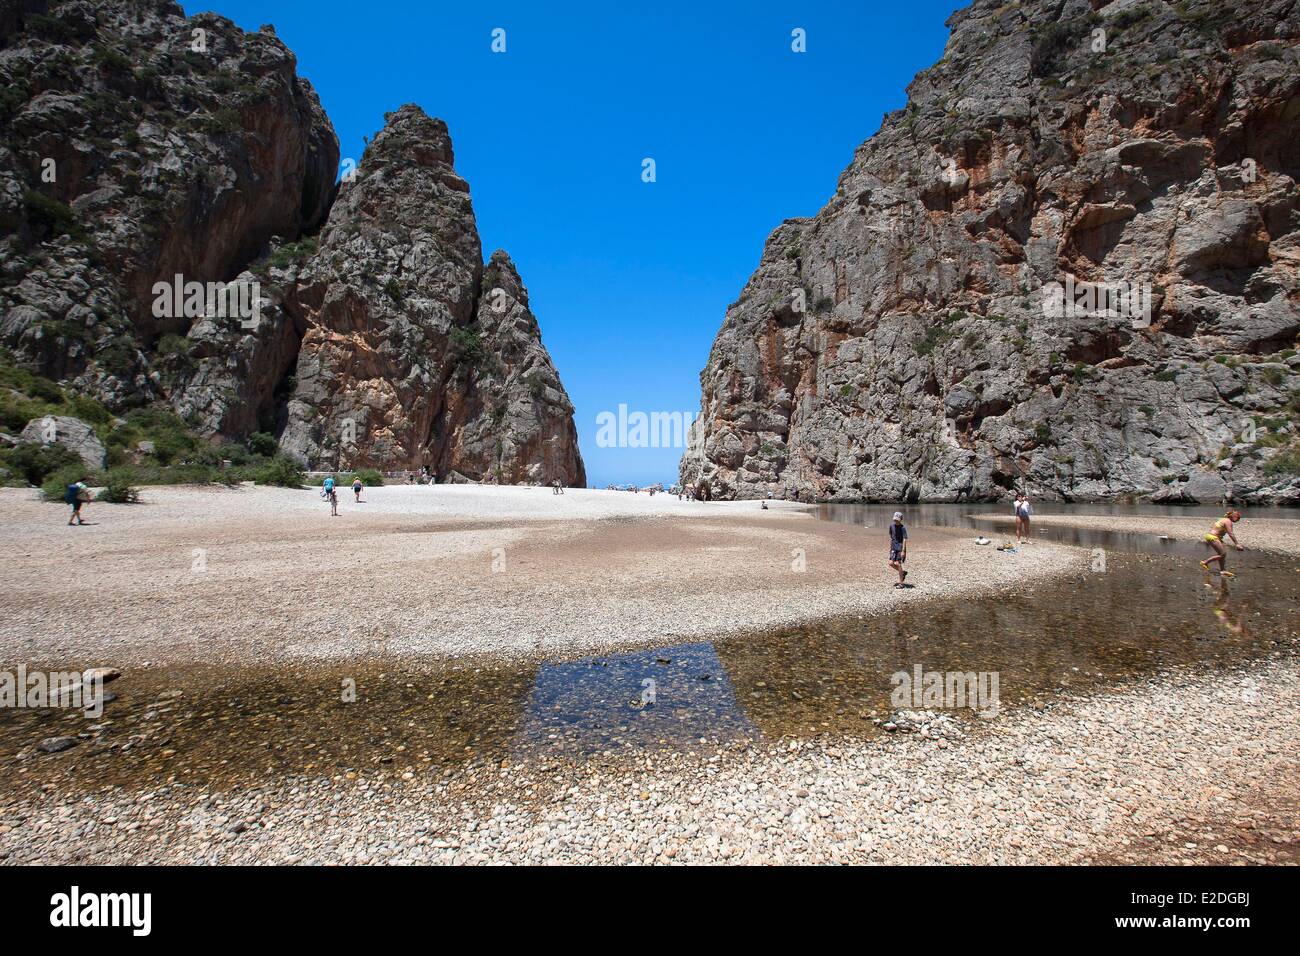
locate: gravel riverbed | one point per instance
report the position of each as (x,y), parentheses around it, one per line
(1183,768)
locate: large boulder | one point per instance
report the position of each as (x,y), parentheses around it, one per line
(70,432)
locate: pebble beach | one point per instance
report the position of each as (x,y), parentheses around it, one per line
(1181,765)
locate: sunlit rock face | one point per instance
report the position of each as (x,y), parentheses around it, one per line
(935,332)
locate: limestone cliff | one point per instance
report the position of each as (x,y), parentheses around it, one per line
(138,144)
(412,354)
(909,342)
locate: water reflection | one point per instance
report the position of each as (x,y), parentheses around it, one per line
(975,518)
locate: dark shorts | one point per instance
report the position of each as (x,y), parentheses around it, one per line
(895,555)
(76,505)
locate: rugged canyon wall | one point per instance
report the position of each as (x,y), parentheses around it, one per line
(138,144)
(909,343)
(413,354)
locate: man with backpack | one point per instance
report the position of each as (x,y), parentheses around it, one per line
(76,495)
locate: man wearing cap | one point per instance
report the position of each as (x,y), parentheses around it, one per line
(898,547)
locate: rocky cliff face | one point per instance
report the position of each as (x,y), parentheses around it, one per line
(139,144)
(412,354)
(914,341)
(126,157)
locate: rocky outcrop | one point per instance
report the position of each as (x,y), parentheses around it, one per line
(389,345)
(72,433)
(911,341)
(140,145)
(514,421)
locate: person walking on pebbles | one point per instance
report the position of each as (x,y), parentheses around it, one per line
(898,547)
(328,492)
(76,495)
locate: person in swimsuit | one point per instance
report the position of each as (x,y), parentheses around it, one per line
(1215,540)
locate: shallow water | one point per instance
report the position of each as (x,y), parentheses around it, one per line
(967,516)
(1150,609)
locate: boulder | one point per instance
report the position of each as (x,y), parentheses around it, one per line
(73,433)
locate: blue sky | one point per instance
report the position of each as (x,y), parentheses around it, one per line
(629,280)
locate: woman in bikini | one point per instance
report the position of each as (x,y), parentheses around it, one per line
(1215,540)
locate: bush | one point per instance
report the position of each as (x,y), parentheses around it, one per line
(56,486)
(118,489)
(50,216)
(292,252)
(1284,463)
(36,462)
(282,471)
(261,443)
(466,345)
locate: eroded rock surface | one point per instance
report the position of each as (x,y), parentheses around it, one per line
(902,343)
(414,355)
(128,156)
(140,145)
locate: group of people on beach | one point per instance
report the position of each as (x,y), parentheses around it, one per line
(329,492)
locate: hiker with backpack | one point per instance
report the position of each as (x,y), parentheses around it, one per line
(327,491)
(76,495)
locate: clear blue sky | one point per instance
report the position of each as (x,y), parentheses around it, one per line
(629,280)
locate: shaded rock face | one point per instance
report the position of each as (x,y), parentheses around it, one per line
(185,146)
(389,344)
(129,156)
(514,421)
(907,342)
